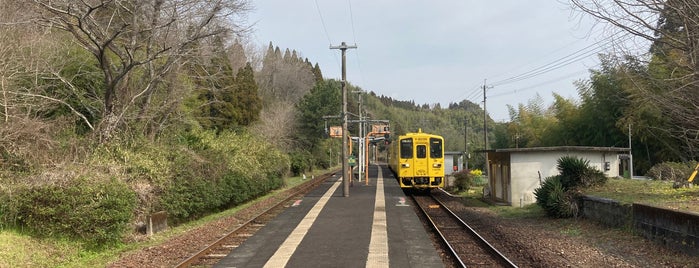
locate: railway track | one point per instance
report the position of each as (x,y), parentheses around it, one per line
(465,245)
(219,249)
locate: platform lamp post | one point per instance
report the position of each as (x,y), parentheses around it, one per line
(346,177)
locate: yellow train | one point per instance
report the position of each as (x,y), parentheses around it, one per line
(417,160)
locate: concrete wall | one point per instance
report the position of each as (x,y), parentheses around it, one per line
(676,230)
(525,168)
(607,211)
(525,174)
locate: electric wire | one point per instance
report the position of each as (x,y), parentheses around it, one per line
(322,21)
(354,37)
(327,35)
(518,90)
(475,94)
(583,53)
(557,64)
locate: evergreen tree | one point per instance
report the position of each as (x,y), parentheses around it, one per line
(317,73)
(324,99)
(247,102)
(236,56)
(216,90)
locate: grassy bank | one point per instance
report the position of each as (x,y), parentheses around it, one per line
(21,249)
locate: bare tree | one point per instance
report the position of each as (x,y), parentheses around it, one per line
(671,79)
(284,77)
(138,42)
(278,125)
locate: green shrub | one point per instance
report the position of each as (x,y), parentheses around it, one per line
(96,211)
(543,194)
(576,172)
(463,180)
(8,207)
(227,169)
(300,162)
(559,195)
(556,201)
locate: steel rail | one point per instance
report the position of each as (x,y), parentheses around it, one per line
(452,251)
(300,189)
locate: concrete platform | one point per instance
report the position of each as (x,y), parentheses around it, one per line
(373,227)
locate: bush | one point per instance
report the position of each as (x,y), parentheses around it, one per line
(300,162)
(463,180)
(671,171)
(95,211)
(556,201)
(224,170)
(576,172)
(558,195)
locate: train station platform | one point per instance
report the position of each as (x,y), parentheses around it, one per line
(372,227)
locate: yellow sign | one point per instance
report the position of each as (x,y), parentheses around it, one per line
(336,132)
(380,129)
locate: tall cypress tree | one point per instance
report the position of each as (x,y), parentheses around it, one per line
(317,73)
(247,102)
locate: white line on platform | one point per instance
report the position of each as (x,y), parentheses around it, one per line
(378,247)
(283,254)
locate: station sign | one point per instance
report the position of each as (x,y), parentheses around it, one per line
(336,131)
(380,129)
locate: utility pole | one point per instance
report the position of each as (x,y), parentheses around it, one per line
(630,156)
(485,130)
(346,176)
(467,122)
(485,121)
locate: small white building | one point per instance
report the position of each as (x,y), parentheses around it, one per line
(453,162)
(515,173)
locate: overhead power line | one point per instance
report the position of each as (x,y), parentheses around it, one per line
(581,54)
(322,21)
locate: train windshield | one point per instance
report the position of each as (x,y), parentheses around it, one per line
(421,151)
(435,148)
(406,148)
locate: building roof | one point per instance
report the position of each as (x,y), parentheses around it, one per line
(558,148)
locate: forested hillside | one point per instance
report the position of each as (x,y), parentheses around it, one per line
(459,123)
(113,110)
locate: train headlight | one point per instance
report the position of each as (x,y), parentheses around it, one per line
(405,165)
(437,165)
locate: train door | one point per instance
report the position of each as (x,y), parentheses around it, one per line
(406,158)
(436,158)
(421,163)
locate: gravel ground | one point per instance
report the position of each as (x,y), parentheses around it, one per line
(543,242)
(529,242)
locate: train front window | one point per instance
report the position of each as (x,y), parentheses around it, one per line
(435,148)
(406,148)
(421,151)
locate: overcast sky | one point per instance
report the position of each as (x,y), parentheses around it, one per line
(440,51)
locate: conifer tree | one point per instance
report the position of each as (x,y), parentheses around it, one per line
(247,102)
(317,73)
